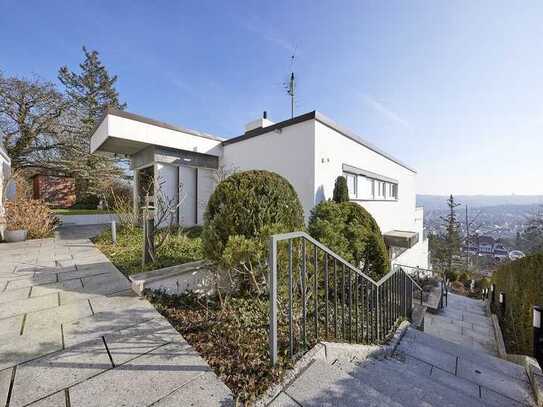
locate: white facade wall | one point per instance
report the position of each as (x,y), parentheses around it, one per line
(288,152)
(206,185)
(332,150)
(187,194)
(167,181)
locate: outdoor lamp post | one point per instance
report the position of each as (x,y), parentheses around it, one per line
(114,231)
(148,231)
(538,334)
(502,304)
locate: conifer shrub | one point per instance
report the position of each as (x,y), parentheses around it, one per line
(350,231)
(243,211)
(522,283)
(341,191)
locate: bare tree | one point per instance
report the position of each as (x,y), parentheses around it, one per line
(166,209)
(31,115)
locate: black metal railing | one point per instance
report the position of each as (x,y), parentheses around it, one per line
(317,295)
(420,274)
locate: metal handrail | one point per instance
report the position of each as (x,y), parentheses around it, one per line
(293,235)
(383,301)
(444,282)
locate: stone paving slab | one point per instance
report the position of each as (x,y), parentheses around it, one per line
(23,306)
(14,295)
(54,400)
(70,303)
(94,326)
(58,371)
(201,391)
(463,321)
(143,380)
(5,380)
(53,288)
(52,318)
(18,349)
(11,326)
(283,400)
(129,343)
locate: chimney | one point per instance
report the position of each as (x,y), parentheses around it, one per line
(258,123)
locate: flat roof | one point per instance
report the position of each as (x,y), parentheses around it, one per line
(147,120)
(315,115)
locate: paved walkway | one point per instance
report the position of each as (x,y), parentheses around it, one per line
(464,322)
(73,334)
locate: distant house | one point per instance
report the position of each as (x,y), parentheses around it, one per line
(57,190)
(487,246)
(309,150)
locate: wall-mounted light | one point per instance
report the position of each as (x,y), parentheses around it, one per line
(501,298)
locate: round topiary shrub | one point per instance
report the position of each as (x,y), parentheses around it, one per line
(243,211)
(350,231)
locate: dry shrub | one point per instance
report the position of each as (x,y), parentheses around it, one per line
(32,215)
(121,204)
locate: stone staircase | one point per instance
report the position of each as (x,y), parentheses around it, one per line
(423,370)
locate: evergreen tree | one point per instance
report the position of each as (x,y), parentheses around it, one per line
(90,92)
(341,191)
(452,240)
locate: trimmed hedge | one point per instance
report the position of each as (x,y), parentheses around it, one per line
(350,231)
(522,283)
(250,204)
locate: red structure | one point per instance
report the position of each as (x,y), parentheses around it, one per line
(56,191)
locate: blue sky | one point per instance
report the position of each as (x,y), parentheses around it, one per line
(453,88)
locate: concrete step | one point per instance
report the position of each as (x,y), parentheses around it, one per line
(414,338)
(322,384)
(455,383)
(409,388)
(496,377)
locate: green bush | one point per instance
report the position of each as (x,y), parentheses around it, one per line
(243,211)
(522,283)
(350,231)
(341,191)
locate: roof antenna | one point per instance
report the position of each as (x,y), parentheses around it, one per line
(290,86)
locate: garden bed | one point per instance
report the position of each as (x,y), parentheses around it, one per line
(181,246)
(232,339)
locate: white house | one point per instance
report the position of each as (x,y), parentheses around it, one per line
(310,151)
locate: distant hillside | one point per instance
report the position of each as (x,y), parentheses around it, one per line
(437,202)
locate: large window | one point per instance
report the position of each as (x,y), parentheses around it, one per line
(371,189)
(351,185)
